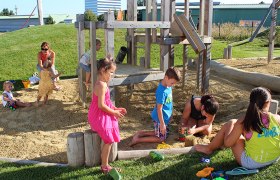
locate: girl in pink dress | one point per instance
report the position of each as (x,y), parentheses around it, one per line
(103,115)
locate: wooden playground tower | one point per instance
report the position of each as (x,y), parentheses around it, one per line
(173,30)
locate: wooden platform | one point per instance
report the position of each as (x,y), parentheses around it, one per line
(128,74)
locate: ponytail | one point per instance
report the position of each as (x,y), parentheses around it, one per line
(253,118)
(210,104)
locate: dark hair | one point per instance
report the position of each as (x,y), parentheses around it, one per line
(45,44)
(105,63)
(173,73)
(252,121)
(210,104)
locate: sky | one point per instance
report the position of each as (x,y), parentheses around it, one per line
(25,7)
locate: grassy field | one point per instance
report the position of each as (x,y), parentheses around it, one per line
(18,50)
(172,167)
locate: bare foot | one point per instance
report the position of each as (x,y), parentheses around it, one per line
(203,148)
(134,140)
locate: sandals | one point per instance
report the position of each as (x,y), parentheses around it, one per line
(113,172)
(241,171)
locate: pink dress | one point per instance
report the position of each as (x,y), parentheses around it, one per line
(105,124)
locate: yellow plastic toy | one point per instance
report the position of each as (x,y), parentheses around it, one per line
(163,145)
(205,172)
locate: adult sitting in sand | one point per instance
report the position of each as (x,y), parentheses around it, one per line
(199,114)
(253,139)
(47,54)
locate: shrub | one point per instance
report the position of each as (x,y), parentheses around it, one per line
(49,20)
(90,16)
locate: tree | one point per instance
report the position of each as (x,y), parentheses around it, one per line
(262,2)
(50,20)
(100,17)
(90,16)
(6,12)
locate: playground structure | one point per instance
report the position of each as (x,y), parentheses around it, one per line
(173,30)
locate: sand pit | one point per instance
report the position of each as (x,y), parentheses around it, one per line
(39,133)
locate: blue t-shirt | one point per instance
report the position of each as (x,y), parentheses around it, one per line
(164,97)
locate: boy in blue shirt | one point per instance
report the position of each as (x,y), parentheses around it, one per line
(162,111)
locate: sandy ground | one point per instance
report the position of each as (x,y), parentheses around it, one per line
(40,133)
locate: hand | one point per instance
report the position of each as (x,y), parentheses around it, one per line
(191,131)
(162,128)
(118,113)
(123,110)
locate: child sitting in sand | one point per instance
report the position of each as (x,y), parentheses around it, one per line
(85,63)
(46,84)
(162,111)
(8,98)
(253,138)
(198,115)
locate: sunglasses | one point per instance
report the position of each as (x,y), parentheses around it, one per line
(43,49)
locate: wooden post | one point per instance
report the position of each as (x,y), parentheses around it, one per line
(40,12)
(272,31)
(81,51)
(164,33)
(109,34)
(171,47)
(207,31)
(131,44)
(273,106)
(93,53)
(229,52)
(199,70)
(154,18)
(114,151)
(92,148)
(185,62)
(75,149)
(201,17)
(185,47)
(225,53)
(148,39)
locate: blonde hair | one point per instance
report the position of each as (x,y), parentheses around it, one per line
(7,83)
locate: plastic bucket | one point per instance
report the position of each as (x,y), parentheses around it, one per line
(121,55)
(26,83)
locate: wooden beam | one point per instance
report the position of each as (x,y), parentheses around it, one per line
(138,24)
(133,79)
(154,18)
(93,53)
(190,33)
(201,17)
(272,31)
(164,49)
(109,34)
(148,38)
(81,51)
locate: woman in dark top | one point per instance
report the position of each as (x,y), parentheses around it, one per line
(199,114)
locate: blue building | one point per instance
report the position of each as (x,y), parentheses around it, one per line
(101,6)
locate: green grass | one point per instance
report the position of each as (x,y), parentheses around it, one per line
(18,50)
(172,167)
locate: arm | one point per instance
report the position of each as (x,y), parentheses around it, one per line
(6,98)
(52,57)
(234,133)
(100,92)
(160,117)
(39,60)
(186,113)
(53,75)
(203,125)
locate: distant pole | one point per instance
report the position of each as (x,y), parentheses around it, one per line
(40,12)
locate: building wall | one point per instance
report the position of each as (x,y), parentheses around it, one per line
(7,25)
(102,6)
(232,15)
